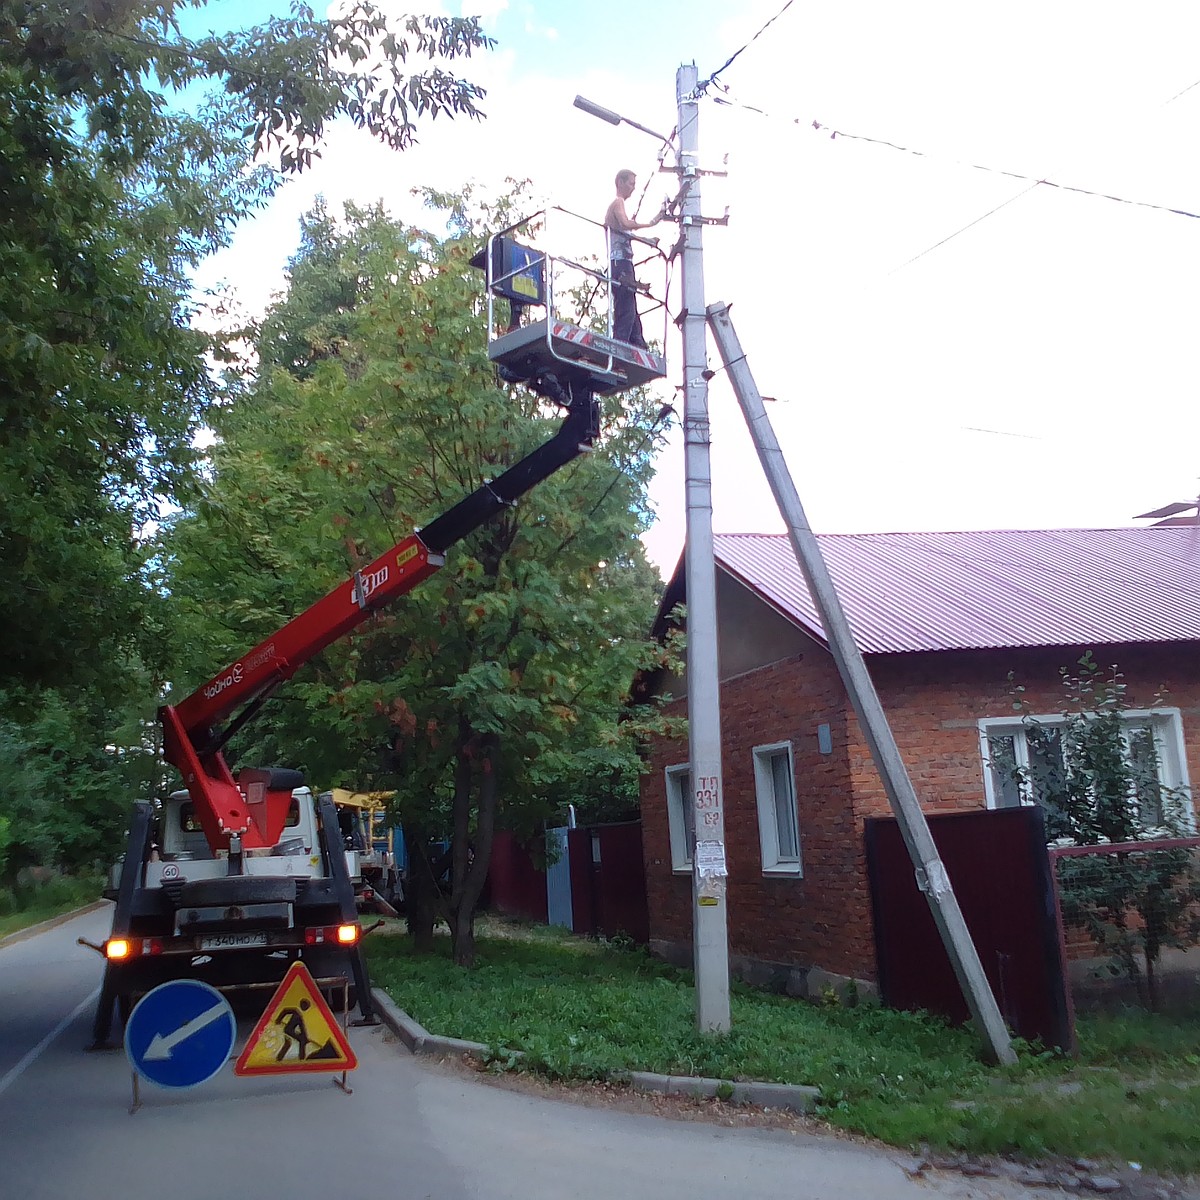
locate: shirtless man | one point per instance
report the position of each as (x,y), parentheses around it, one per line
(627,323)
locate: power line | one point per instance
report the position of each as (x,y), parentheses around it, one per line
(1033,182)
(834,134)
(662,153)
(702,86)
(1183,93)
(1029,437)
(1032,179)
(948,237)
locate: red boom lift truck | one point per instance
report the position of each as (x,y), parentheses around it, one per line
(251,872)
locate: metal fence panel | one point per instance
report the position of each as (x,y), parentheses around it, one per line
(1129,923)
(998,866)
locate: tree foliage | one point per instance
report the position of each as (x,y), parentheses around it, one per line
(111,195)
(1099,779)
(496,690)
(284,80)
(128,152)
(69,769)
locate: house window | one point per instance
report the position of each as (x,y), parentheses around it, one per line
(681,816)
(1153,749)
(778,828)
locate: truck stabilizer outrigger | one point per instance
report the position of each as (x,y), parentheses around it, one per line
(163,925)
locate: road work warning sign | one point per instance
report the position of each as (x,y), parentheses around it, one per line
(298,1032)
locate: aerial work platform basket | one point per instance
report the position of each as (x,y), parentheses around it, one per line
(552,316)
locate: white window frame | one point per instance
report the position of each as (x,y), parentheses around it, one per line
(679,803)
(1166,725)
(773,862)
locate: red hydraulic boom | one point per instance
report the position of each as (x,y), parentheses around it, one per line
(254,806)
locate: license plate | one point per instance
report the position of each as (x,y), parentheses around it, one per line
(232,941)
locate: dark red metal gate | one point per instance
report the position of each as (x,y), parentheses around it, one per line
(607,880)
(1000,872)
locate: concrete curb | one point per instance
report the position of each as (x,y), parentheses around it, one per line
(33,930)
(795,1097)
(418,1040)
(398,1021)
(416,1037)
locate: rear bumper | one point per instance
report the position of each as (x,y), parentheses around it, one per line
(225,969)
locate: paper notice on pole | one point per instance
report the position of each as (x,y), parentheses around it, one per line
(710,860)
(933,879)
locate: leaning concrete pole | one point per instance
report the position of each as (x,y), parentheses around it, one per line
(710,935)
(931,872)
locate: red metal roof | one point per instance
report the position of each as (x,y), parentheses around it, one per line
(906,592)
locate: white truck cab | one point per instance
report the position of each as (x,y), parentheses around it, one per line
(183,851)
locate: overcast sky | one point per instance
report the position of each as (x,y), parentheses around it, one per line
(1035,370)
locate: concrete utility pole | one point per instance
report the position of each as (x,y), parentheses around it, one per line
(931,872)
(710,934)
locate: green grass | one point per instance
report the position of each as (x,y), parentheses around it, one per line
(581,1010)
(23,906)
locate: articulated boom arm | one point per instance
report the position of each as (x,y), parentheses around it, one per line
(255,806)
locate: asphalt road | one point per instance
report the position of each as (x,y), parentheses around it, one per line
(409,1130)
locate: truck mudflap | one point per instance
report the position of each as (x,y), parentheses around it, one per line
(344,889)
(136,852)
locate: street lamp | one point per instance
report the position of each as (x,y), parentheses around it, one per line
(607,114)
(710,933)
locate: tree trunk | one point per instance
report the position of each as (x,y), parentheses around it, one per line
(472,863)
(1152,909)
(460,848)
(421,896)
(419,910)
(464,940)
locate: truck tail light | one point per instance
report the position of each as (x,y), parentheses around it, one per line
(340,935)
(120,949)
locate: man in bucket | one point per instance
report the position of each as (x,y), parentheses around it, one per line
(627,323)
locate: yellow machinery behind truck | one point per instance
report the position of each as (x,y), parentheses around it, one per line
(362,818)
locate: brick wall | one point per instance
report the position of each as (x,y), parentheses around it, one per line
(821,918)
(933,703)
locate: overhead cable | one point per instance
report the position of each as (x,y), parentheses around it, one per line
(1035,181)
(702,86)
(968,225)
(1183,93)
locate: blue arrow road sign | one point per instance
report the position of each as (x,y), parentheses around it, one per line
(180,1034)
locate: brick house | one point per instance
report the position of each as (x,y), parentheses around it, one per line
(942,619)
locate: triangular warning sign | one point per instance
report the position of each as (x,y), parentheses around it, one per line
(298,1032)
